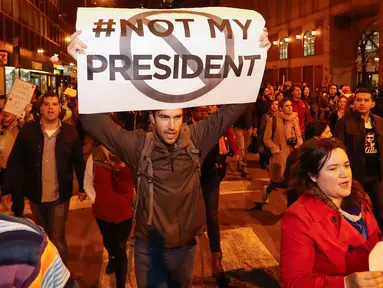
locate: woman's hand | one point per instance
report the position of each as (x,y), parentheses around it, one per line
(372,279)
(76,46)
(265,43)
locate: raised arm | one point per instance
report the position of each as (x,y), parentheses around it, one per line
(124,144)
(206,133)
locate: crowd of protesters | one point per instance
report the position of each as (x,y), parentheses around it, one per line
(179,156)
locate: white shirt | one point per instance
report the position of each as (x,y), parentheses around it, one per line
(89,180)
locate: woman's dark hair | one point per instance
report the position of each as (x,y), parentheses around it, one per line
(315,128)
(283,101)
(303,92)
(314,155)
(271,103)
(341,97)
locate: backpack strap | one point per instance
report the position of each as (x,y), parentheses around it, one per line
(144,162)
(194,154)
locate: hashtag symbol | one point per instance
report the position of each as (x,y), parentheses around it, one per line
(100,27)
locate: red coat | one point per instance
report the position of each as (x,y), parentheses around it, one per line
(319,247)
(114,194)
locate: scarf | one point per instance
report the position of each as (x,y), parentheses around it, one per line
(290,124)
(316,192)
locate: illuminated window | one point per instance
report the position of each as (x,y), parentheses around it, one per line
(284,48)
(309,43)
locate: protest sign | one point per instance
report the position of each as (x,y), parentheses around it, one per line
(70,92)
(140,59)
(20,96)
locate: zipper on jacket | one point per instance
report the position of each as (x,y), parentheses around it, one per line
(171,163)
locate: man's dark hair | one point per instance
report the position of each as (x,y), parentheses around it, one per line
(315,128)
(292,88)
(365,90)
(50,94)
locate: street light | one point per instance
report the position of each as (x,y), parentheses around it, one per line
(40,51)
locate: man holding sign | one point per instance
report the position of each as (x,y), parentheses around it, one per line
(170,210)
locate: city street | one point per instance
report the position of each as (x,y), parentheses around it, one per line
(250,239)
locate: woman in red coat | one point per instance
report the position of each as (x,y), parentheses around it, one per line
(109,184)
(328,233)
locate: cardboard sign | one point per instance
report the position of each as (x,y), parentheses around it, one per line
(139,59)
(70,92)
(20,96)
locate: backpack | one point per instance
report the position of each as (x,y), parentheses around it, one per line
(145,163)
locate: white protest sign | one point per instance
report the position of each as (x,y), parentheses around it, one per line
(139,59)
(20,96)
(375,258)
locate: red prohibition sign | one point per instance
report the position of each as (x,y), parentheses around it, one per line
(180,49)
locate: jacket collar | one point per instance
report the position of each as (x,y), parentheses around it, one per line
(319,211)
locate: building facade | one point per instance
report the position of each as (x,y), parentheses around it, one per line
(321,41)
(31,32)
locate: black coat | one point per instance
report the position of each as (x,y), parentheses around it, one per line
(23,176)
(350,129)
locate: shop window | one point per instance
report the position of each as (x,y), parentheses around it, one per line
(7,7)
(25,75)
(10,75)
(284,48)
(309,43)
(16,9)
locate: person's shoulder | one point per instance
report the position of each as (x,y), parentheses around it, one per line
(300,212)
(30,128)
(377,118)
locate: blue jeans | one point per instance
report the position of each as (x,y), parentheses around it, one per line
(156,266)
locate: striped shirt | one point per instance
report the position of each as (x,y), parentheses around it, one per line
(28,258)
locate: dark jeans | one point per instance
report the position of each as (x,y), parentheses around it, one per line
(373,188)
(115,237)
(210,190)
(156,266)
(52,217)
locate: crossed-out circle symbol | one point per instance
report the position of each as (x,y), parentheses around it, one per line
(180,49)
